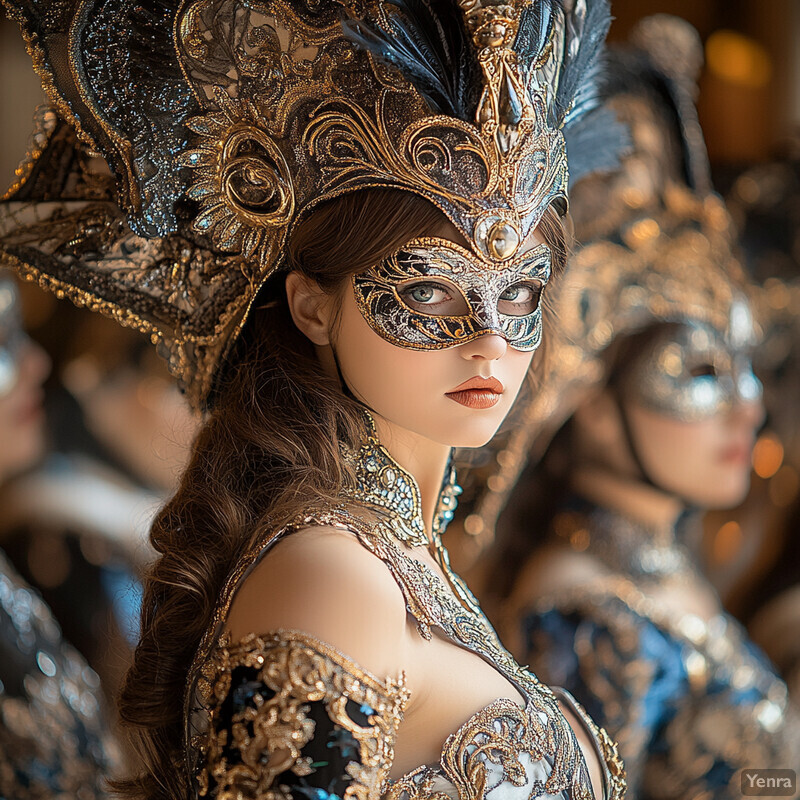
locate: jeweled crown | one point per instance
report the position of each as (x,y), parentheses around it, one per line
(224,122)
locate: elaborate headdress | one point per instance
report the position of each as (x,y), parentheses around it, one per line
(657,246)
(225,121)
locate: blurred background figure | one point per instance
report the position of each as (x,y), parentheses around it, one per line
(54,738)
(647,415)
(76,527)
(24,367)
(753,552)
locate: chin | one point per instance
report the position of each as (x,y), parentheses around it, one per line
(471,435)
(725,495)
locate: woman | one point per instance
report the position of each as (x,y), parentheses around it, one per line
(75,527)
(651,385)
(54,739)
(302,633)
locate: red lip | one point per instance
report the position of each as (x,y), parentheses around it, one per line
(477,392)
(737,453)
(484,384)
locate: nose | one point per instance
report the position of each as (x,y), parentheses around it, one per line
(750,411)
(488,347)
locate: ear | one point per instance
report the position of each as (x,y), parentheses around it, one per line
(310,307)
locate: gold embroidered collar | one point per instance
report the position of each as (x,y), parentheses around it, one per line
(383,484)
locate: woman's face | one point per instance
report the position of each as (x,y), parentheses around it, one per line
(439,347)
(24,366)
(694,407)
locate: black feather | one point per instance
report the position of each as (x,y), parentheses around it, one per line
(585,36)
(428,43)
(535,26)
(595,144)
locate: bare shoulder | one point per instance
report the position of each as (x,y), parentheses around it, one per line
(323,582)
(551,570)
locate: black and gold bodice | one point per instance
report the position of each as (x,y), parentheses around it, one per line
(690,699)
(280,714)
(54,741)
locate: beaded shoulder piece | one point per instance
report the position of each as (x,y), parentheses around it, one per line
(264,689)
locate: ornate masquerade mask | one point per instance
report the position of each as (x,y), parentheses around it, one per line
(11,335)
(433,294)
(226,121)
(694,372)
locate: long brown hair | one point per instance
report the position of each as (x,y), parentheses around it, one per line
(269,448)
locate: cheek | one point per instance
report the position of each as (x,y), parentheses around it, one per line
(690,458)
(379,371)
(669,441)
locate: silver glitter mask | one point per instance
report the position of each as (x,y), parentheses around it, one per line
(11,335)
(482,298)
(694,372)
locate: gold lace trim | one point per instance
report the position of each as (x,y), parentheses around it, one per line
(300,670)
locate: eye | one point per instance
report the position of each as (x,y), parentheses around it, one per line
(429,293)
(434,298)
(520,299)
(703,371)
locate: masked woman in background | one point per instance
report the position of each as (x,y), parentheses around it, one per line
(303,634)
(54,739)
(650,387)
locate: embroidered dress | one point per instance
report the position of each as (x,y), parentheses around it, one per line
(53,737)
(691,701)
(281,714)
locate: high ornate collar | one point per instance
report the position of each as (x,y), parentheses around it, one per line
(624,544)
(383,484)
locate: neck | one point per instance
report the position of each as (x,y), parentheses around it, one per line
(423,459)
(633,499)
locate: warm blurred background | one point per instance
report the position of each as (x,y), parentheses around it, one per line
(112,405)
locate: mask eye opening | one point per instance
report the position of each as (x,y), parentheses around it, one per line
(459,305)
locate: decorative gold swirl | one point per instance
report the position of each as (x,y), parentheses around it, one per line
(242,182)
(243,756)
